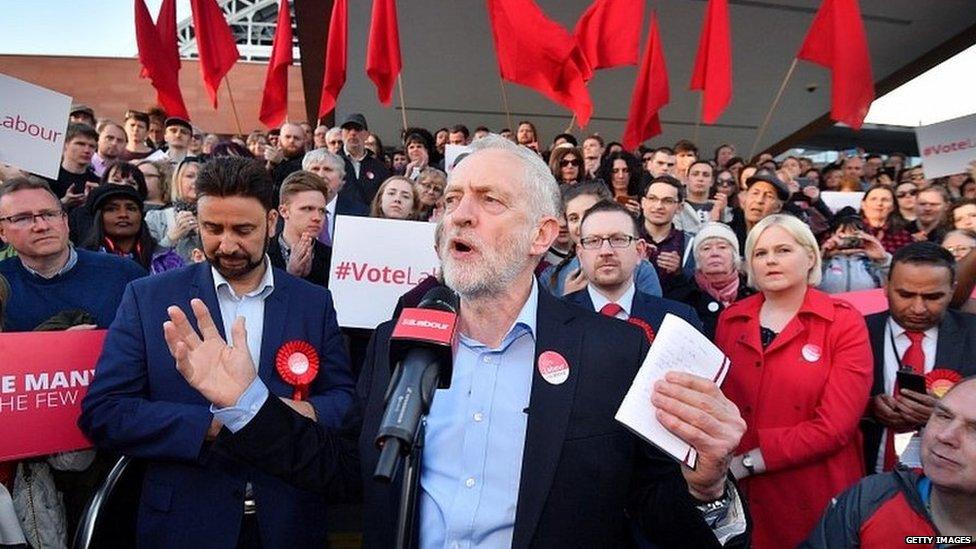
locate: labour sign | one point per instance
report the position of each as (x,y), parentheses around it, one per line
(43,377)
(32,125)
(947,147)
(374,262)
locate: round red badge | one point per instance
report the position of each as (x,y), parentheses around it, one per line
(939,381)
(297,363)
(553,367)
(811,352)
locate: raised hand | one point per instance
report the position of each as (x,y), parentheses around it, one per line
(220,372)
(695,410)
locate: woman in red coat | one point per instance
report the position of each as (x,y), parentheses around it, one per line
(801,374)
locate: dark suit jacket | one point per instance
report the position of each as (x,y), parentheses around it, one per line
(141,406)
(321,261)
(649,308)
(585,478)
(954,350)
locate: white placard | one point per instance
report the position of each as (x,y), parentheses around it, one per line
(835,200)
(451,154)
(374,262)
(948,147)
(32,125)
(677,347)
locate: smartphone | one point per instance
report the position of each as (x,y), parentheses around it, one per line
(908,379)
(805,182)
(851,242)
(624,200)
(78,187)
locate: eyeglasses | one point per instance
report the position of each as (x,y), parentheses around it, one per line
(27,219)
(904,194)
(665,201)
(567,163)
(431,187)
(616,241)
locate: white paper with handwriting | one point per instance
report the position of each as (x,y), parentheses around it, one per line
(678,346)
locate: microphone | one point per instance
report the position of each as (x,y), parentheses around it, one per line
(421,354)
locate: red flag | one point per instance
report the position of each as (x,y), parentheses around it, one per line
(713,64)
(383,62)
(650,92)
(274,102)
(608,32)
(166,27)
(335,58)
(538,53)
(156,65)
(215,44)
(837,40)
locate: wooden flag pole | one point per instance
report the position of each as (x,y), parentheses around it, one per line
(233,106)
(508,113)
(769,115)
(569,128)
(698,119)
(403,106)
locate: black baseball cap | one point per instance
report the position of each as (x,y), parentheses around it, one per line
(177,121)
(108,191)
(355,119)
(768,176)
(82,108)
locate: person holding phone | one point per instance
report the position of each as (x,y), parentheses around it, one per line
(852,259)
(916,336)
(621,173)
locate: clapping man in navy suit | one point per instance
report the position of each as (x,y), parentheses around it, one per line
(609,251)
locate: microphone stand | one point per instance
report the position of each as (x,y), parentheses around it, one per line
(410,490)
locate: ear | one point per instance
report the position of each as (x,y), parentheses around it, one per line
(272,223)
(641,247)
(545,235)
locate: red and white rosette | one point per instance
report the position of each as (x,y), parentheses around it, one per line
(298,364)
(648,331)
(940,380)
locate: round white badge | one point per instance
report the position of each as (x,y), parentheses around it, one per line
(713,307)
(553,367)
(811,352)
(298,363)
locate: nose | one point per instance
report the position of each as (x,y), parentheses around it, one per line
(463,213)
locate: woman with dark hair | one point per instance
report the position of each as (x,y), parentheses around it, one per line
(566,164)
(877,208)
(906,195)
(725,184)
(119,229)
(962,215)
(230,148)
(116,173)
(621,172)
(418,143)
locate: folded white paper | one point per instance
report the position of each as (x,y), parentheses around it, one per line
(678,347)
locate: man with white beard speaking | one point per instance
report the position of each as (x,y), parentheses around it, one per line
(514,456)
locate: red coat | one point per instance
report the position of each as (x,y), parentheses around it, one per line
(802,399)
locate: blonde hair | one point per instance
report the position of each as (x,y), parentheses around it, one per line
(800,232)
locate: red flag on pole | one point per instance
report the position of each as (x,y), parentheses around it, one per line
(837,41)
(713,64)
(608,32)
(650,92)
(335,58)
(538,53)
(156,65)
(383,62)
(274,102)
(215,44)
(166,27)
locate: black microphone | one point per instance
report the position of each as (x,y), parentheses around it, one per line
(422,355)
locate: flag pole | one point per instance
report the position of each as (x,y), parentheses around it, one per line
(508,113)
(403,106)
(769,114)
(233,106)
(698,119)
(572,121)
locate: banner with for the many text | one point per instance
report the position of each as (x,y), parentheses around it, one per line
(374,262)
(43,377)
(947,147)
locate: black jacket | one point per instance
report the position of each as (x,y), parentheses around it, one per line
(362,189)
(321,260)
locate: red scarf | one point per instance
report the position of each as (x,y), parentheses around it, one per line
(723,287)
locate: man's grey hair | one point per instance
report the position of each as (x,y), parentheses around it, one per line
(333,132)
(542,191)
(318,156)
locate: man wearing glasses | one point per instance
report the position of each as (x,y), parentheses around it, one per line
(609,252)
(49,276)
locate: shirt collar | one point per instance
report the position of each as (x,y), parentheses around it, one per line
(897,331)
(599,300)
(525,322)
(72,261)
(264,288)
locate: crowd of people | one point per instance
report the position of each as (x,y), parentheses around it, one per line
(148,211)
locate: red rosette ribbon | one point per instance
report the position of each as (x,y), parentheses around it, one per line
(939,381)
(648,331)
(297,363)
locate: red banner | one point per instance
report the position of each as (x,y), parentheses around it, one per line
(867,302)
(43,377)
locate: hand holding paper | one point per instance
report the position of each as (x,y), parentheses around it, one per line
(688,417)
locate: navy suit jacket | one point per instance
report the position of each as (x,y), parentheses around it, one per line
(585,478)
(141,406)
(651,309)
(954,350)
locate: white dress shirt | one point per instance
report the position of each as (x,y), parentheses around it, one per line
(626,301)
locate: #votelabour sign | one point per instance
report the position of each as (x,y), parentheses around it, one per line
(32,125)
(43,377)
(947,147)
(374,262)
